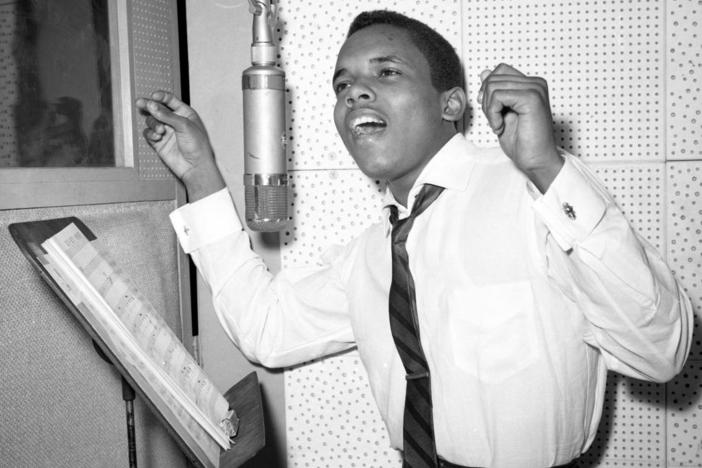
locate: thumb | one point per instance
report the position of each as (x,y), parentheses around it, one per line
(509,121)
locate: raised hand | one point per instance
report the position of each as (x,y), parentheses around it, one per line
(518,110)
(176,133)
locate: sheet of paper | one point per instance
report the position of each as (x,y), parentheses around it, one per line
(129,319)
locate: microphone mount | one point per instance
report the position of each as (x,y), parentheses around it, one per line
(263,50)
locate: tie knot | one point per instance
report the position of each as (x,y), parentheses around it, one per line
(426,196)
(393,214)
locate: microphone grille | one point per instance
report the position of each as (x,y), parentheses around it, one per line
(266,207)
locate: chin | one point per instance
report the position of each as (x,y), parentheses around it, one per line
(371,167)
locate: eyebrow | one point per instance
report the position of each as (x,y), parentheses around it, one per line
(374,61)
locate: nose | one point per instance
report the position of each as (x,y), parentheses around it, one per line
(359,92)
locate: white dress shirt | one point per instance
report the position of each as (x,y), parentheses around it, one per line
(524,302)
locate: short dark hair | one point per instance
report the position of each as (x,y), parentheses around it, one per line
(444,64)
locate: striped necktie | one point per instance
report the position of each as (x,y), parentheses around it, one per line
(419,446)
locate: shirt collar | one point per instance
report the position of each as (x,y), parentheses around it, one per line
(450,168)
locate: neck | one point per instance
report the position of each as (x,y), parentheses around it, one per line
(400,187)
(400,193)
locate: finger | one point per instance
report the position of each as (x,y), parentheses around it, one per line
(515,82)
(494,112)
(500,70)
(151,136)
(483,76)
(509,103)
(155,125)
(504,69)
(164,115)
(172,102)
(512,82)
(141,104)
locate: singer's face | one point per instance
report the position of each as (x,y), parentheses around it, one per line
(388,113)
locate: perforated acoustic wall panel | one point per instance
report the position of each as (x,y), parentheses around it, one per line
(633,426)
(684,79)
(8,84)
(343,201)
(639,190)
(152,51)
(684,224)
(625,89)
(684,410)
(604,62)
(684,216)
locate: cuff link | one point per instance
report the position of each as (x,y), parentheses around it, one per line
(568,210)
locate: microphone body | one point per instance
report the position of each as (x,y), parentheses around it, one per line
(265,171)
(265,168)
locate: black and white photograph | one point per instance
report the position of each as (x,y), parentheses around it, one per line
(371,234)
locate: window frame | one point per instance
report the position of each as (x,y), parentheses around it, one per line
(35,187)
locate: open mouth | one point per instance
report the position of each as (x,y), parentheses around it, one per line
(367,125)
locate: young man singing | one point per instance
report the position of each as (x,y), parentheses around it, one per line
(500,287)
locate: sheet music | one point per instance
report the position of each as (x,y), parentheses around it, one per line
(117,297)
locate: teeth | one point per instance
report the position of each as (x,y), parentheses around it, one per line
(363,120)
(367,125)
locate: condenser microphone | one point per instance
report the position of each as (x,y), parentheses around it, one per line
(265,171)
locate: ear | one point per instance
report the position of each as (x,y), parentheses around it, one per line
(453,102)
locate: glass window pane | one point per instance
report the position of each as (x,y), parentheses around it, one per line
(55,84)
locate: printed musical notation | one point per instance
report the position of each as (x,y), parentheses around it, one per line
(137,334)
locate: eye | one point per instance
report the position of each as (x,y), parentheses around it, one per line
(387,72)
(339,86)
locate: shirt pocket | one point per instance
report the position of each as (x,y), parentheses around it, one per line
(493,330)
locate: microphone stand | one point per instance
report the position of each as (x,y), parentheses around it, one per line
(128,397)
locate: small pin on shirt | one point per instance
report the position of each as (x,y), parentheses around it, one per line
(568,210)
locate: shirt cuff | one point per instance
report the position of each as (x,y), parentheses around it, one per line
(205,221)
(573,205)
